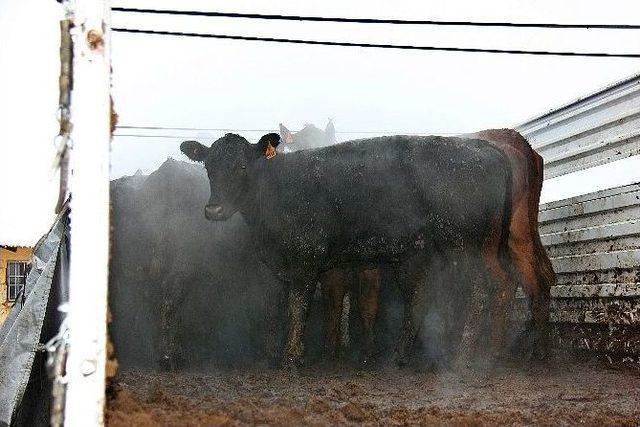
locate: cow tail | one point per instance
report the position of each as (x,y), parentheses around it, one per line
(506,217)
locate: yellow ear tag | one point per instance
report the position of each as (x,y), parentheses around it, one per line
(270,153)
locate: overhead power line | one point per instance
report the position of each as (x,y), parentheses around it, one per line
(195,129)
(133,135)
(184,137)
(374,20)
(377,45)
(351,132)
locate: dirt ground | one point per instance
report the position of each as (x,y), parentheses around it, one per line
(553,395)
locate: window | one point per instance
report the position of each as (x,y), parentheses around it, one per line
(16,278)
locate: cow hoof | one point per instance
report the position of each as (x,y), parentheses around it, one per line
(291,365)
(329,362)
(367,361)
(542,346)
(401,361)
(531,345)
(330,357)
(168,363)
(462,365)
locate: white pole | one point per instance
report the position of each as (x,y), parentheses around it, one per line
(89,188)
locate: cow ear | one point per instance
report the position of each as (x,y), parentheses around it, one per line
(330,131)
(267,145)
(194,150)
(286,134)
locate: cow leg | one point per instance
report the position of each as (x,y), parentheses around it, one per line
(345,329)
(503,296)
(411,283)
(274,321)
(298,308)
(334,285)
(501,281)
(539,301)
(172,297)
(540,316)
(538,293)
(523,257)
(473,323)
(526,255)
(368,293)
(167,333)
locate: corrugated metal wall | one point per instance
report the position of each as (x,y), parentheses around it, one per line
(593,240)
(591,131)
(594,244)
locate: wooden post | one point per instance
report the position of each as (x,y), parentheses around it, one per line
(89,189)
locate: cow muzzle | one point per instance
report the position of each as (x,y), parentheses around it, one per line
(214,213)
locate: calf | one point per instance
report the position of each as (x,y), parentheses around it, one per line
(360,203)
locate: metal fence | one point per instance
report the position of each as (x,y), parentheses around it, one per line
(593,240)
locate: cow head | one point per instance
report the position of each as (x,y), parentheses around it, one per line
(308,137)
(227,162)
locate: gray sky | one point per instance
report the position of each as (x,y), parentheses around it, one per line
(204,83)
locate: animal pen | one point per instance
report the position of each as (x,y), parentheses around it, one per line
(593,241)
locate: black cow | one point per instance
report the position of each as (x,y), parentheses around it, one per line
(362,203)
(359,288)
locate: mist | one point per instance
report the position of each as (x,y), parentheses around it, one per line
(187,293)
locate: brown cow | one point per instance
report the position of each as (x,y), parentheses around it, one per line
(363,288)
(530,261)
(528,258)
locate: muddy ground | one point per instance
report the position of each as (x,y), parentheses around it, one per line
(553,395)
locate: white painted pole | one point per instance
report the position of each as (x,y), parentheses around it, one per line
(89,188)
